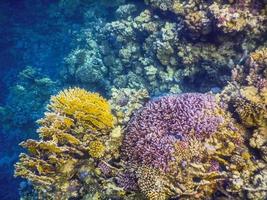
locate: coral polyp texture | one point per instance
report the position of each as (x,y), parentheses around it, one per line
(125,101)
(73,133)
(182,145)
(89,109)
(152,132)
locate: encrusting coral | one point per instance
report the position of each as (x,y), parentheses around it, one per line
(73,134)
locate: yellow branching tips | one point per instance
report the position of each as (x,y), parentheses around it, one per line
(96,149)
(85,107)
(74,132)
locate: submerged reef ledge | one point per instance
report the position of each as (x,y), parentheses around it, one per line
(187,146)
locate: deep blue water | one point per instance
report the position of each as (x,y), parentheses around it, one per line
(36,35)
(28,37)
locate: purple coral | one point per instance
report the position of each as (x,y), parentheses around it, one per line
(154,129)
(127,180)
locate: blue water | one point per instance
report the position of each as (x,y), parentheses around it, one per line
(28,37)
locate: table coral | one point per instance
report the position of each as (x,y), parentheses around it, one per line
(74,132)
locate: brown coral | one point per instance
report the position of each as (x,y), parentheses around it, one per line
(246,96)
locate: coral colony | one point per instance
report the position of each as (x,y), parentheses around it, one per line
(186,145)
(158,133)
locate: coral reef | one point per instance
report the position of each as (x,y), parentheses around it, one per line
(246,97)
(74,136)
(145,52)
(230,16)
(125,102)
(175,145)
(185,145)
(159,60)
(168,46)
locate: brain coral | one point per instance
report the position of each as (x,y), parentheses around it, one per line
(154,130)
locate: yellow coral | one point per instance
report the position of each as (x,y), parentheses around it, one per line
(178,8)
(89,109)
(77,122)
(96,149)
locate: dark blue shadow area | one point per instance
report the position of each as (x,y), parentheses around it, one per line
(35,33)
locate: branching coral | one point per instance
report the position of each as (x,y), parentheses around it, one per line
(74,132)
(88,109)
(246,96)
(189,140)
(166,119)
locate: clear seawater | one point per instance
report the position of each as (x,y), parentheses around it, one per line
(28,37)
